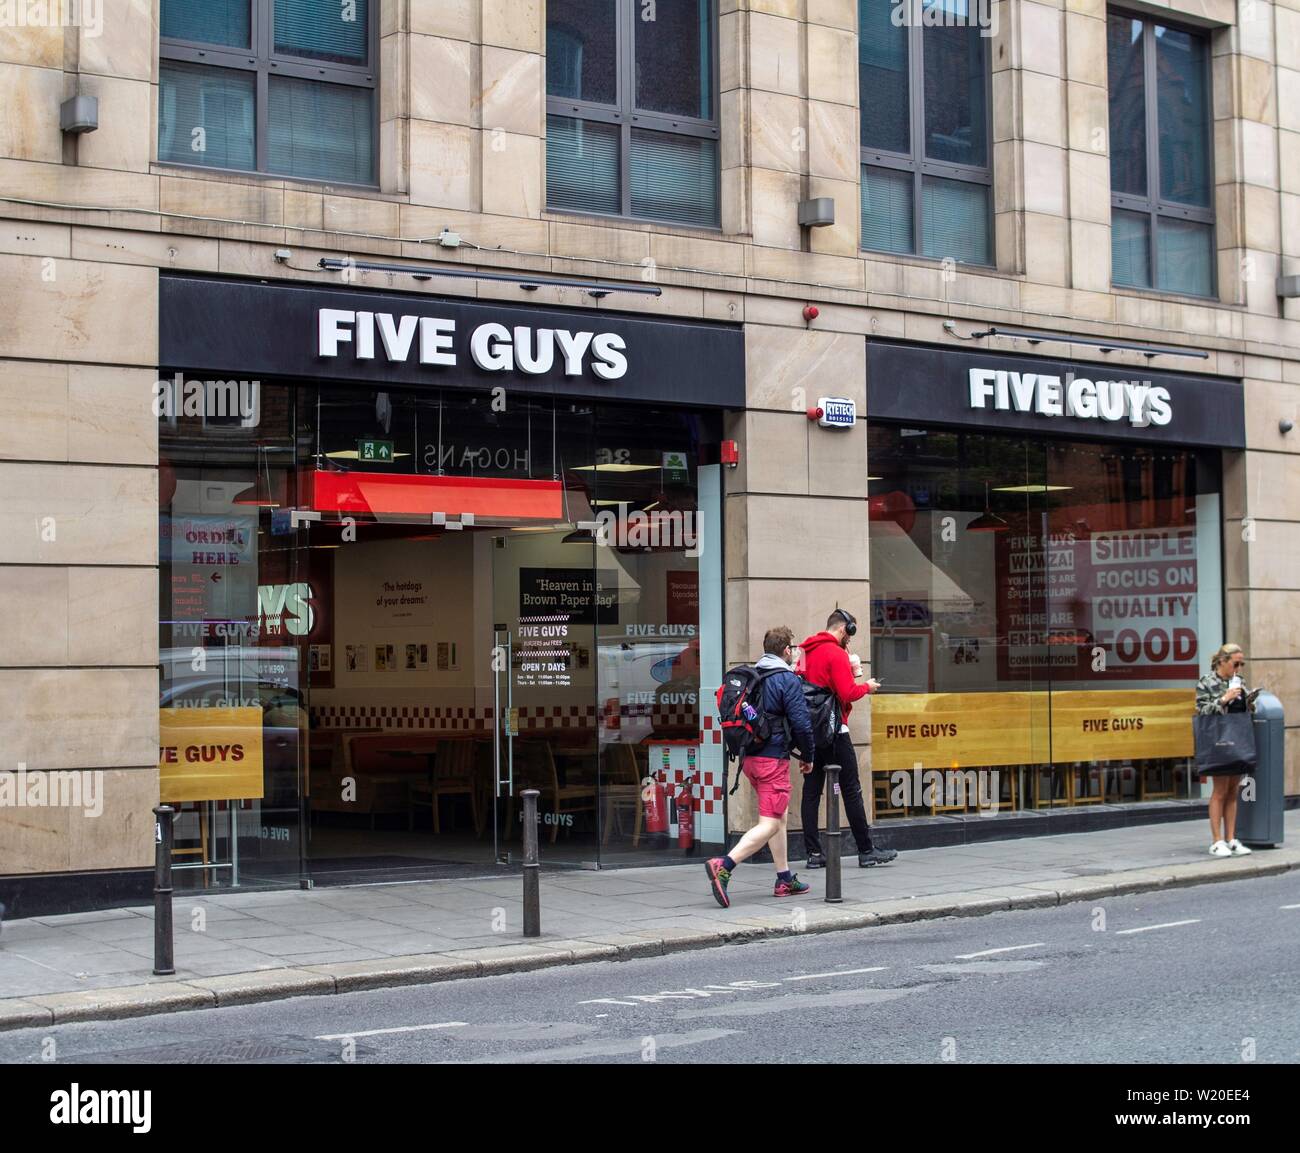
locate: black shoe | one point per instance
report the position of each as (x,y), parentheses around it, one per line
(815,861)
(876,857)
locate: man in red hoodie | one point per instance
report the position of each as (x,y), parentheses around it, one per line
(825,662)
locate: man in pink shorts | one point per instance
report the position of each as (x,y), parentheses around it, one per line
(768,770)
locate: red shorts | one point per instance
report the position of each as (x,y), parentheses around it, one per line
(771,780)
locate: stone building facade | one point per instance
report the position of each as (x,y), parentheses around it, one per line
(90,223)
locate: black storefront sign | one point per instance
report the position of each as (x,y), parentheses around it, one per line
(256,329)
(999,393)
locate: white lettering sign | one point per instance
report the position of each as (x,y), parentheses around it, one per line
(493,347)
(1110,400)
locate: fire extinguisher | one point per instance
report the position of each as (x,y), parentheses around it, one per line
(686,815)
(656,805)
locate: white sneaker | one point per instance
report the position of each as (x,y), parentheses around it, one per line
(1237,849)
(1220,849)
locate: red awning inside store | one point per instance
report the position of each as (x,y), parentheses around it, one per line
(395,494)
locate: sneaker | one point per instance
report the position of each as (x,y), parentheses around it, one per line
(791,888)
(876,857)
(1220,849)
(815,861)
(718,878)
(1237,849)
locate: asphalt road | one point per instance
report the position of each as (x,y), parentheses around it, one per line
(1209,974)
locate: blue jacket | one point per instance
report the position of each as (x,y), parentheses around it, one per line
(784,704)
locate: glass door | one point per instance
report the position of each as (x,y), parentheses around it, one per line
(546,592)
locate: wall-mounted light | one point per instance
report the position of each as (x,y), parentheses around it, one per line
(79,114)
(1288,287)
(817,212)
(1284,426)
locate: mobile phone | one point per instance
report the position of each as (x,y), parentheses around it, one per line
(1250,696)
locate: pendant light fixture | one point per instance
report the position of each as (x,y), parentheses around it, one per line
(989,521)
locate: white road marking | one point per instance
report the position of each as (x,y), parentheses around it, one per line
(840,973)
(593,1049)
(686,994)
(399,1029)
(1166,925)
(1005,949)
(1289,906)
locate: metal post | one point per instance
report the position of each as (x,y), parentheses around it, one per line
(164,838)
(833,834)
(532,867)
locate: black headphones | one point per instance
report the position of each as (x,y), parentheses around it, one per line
(850,623)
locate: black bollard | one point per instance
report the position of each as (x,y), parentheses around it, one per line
(164,837)
(532,868)
(833,834)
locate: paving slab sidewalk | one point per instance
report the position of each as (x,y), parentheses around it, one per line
(237,948)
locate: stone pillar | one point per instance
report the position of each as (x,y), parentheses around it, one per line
(796,513)
(1036,163)
(78,456)
(1246,158)
(834,140)
(79,526)
(1087,139)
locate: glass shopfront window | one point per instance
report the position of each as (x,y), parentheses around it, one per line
(387,612)
(1041,610)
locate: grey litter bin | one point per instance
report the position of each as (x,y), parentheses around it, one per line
(1259,821)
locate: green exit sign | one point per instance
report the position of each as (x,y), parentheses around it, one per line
(375,451)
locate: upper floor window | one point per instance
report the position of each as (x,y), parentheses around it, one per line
(926,152)
(277,86)
(1161,174)
(631,109)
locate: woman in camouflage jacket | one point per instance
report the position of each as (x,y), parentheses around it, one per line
(1215,694)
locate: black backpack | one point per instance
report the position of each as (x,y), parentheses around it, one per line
(746,724)
(824,709)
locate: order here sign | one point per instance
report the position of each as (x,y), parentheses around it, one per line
(209,754)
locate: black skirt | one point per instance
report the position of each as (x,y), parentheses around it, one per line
(1238,770)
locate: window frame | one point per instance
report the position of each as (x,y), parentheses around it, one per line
(262,59)
(1153,206)
(627,116)
(916,161)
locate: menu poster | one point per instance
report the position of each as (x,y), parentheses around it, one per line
(542,657)
(574,593)
(1111,605)
(358,658)
(683,597)
(1023,567)
(213,589)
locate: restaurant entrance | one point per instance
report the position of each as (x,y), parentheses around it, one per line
(396,610)
(465,673)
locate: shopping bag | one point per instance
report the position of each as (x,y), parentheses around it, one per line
(1225,741)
